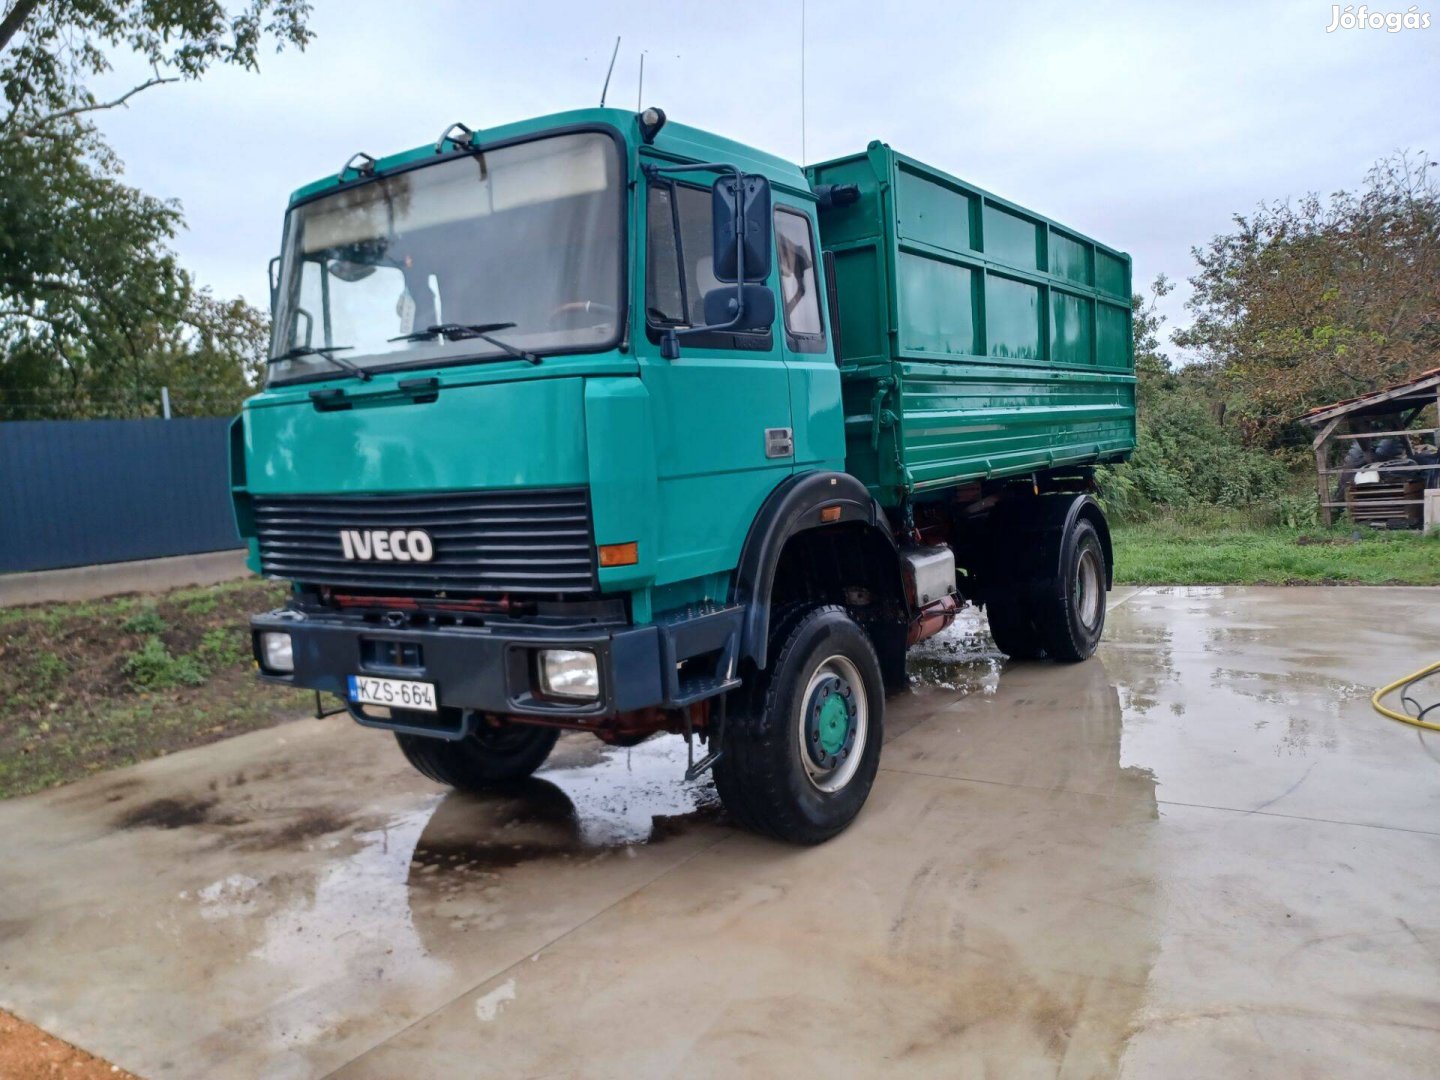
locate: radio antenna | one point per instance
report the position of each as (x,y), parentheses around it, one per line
(640,93)
(802,83)
(609,71)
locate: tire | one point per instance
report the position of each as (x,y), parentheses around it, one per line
(486,757)
(1013,627)
(802,742)
(1072,617)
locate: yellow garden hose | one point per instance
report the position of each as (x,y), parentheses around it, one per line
(1407,681)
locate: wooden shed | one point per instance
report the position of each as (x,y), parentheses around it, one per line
(1396,494)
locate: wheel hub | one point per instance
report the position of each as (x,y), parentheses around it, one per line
(830,722)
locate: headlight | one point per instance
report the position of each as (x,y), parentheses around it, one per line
(569,673)
(276,653)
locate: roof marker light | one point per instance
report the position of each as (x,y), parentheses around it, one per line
(651,121)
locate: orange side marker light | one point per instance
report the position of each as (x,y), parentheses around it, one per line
(620,554)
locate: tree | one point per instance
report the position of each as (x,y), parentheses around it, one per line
(1314,302)
(95,312)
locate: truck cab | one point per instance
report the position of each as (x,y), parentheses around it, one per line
(555,436)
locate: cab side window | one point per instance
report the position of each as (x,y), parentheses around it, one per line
(799,288)
(679,268)
(673,298)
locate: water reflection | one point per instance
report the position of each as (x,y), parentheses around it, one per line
(605,801)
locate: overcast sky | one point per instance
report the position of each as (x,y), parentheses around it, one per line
(1146,125)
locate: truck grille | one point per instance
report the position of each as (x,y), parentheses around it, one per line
(493,543)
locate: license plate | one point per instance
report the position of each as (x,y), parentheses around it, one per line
(395,693)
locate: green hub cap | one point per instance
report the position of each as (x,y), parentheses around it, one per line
(830,727)
(834,724)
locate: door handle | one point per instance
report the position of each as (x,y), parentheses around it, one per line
(779,442)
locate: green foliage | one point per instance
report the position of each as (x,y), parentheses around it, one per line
(95,313)
(200,605)
(145,621)
(1297,511)
(1185,459)
(152,667)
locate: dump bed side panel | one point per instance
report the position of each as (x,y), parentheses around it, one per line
(987,341)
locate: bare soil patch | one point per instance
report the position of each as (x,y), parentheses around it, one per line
(27,1053)
(92,686)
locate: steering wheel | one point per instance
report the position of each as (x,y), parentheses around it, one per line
(583,307)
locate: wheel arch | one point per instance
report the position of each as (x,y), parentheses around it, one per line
(793,509)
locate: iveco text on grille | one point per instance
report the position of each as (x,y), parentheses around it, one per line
(385,546)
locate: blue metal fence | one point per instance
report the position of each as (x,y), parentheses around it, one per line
(76,492)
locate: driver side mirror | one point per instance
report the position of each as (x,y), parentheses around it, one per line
(741,220)
(274,283)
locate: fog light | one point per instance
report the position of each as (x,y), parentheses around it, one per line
(569,673)
(276,653)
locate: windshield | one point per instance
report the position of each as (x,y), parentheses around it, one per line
(527,234)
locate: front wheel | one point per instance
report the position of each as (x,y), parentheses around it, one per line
(488,756)
(802,744)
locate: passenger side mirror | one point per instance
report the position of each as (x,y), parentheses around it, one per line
(274,282)
(741,307)
(740,212)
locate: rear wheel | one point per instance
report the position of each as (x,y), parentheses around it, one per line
(488,756)
(1013,627)
(802,744)
(1072,616)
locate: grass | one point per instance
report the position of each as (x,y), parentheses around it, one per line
(1222,551)
(97,685)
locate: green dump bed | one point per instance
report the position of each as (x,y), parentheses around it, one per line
(978,340)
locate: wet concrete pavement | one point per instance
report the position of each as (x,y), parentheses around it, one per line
(1200,854)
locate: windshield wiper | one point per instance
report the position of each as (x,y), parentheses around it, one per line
(462,331)
(324,352)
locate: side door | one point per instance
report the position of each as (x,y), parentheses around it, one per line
(713,405)
(815,406)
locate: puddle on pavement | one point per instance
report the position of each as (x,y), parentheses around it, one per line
(380,908)
(630,794)
(593,803)
(961,658)
(603,802)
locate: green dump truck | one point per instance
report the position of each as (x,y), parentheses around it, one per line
(597,422)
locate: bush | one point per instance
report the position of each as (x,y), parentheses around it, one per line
(1185,459)
(153,668)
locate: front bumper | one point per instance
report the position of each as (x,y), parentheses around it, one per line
(492,669)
